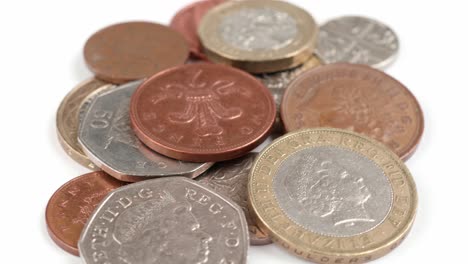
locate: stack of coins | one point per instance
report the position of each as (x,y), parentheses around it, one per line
(169,122)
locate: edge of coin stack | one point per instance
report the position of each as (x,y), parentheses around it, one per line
(172,139)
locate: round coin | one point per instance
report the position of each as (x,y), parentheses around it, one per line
(166,220)
(229,178)
(71,205)
(358,40)
(186,22)
(202,112)
(134,50)
(258,36)
(277,83)
(332,196)
(107,138)
(67,120)
(358,98)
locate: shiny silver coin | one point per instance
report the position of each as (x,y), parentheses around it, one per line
(230,178)
(108,140)
(166,220)
(357,40)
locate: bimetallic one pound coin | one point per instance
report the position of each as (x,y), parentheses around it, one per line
(332,196)
(134,50)
(202,112)
(166,220)
(358,40)
(277,83)
(258,36)
(67,120)
(107,138)
(72,204)
(358,98)
(229,178)
(186,22)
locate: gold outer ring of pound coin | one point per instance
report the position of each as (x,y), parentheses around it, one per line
(67,120)
(298,51)
(319,248)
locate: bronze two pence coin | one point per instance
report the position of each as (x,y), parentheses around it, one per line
(202,112)
(71,205)
(186,22)
(134,50)
(358,98)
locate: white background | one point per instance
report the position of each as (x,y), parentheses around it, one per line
(41,60)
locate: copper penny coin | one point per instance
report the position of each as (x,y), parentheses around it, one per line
(202,112)
(186,22)
(355,97)
(134,50)
(71,205)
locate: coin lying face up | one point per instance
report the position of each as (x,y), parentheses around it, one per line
(230,178)
(358,40)
(68,120)
(134,50)
(167,220)
(358,98)
(332,196)
(72,204)
(108,140)
(258,36)
(202,112)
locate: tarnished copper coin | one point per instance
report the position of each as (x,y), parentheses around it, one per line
(358,98)
(202,112)
(71,205)
(186,22)
(134,50)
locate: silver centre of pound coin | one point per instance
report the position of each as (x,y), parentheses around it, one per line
(333,191)
(258,29)
(357,40)
(166,220)
(108,139)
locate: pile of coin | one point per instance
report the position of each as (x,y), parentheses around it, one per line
(169,123)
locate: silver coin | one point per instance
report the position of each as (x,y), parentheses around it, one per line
(358,40)
(333,191)
(230,178)
(109,141)
(166,220)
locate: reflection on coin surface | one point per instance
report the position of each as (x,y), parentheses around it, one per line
(277,83)
(166,220)
(67,120)
(358,98)
(106,136)
(358,40)
(202,112)
(332,196)
(186,22)
(72,204)
(229,178)
(259,35)
(134,50)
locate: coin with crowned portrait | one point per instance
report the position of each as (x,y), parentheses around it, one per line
(68,120)
(332,196)
(358,98)
(72,204)
(356,39)
(166,220)
(258,36)
(202,112)
(230,178)
(107,138)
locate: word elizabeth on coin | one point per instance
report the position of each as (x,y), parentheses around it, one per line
(332,196)
(215,113)
(107,138)
(166,220)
